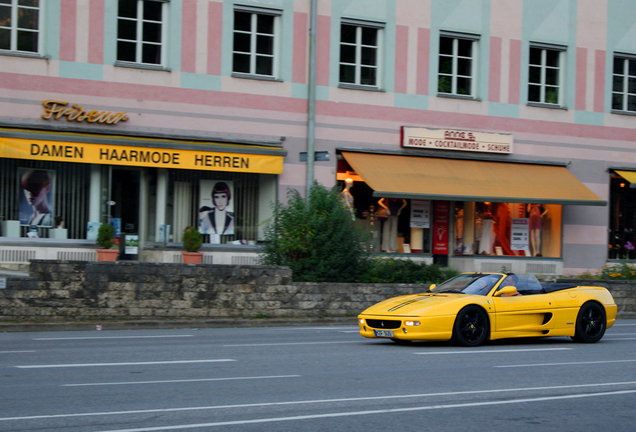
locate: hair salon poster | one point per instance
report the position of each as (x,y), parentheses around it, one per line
(441,210)
(35,204)
(216,208)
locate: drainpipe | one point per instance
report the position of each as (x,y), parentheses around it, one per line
(311,98)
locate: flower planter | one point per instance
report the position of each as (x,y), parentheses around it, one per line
(192,257)
(107,254)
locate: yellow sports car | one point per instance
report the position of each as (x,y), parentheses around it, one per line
(472,308)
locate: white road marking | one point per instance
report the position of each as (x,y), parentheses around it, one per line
(110,337)
(181,381)
(122,364)
(372,412)
(290,343)
(321,401)
(566,363)
(491,351)
(14,352)
(624,325)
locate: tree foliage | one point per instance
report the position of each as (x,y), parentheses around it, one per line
(316,237)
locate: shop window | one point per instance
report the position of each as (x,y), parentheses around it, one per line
(622,234)
(141,30)
(507,229)
(545,75)
(624,83)
(456,71)
(392,225)
(223,206)
(42,196)
(360,53)
(255,45)
(20,26)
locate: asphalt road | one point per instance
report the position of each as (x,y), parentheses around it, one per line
(311,379)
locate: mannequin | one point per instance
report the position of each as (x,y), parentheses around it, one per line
(535,222)
(347,198)
(393,208)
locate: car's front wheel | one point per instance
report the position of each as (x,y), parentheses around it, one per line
(590,323)
(471,327)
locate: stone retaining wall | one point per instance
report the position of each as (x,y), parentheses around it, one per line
(79,290)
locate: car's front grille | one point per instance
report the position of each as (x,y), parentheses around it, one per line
(384,324)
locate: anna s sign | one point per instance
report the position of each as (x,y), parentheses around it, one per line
(452,139)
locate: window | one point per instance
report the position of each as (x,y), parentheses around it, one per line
(624,84)
(507,229)
(20,25)
(140,31)
(622,221)
(360,53)
(545,75)
(255,49)
(456,64)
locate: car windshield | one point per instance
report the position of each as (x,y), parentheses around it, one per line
(476,284)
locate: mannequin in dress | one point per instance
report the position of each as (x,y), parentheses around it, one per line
(535,224)
(393,208)
(347,198)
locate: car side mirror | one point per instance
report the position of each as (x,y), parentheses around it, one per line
(506,290)
(430,288)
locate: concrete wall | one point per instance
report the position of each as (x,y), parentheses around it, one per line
(80,290)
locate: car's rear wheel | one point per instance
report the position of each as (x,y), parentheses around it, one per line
(471,327)
(590,323)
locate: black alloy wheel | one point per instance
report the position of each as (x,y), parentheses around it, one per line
(471,327)
(590,323)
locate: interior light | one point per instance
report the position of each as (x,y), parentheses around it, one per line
(622,184)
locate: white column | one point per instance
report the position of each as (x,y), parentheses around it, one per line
(162,199)
(95,193)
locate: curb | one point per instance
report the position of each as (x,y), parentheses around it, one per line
(6,327)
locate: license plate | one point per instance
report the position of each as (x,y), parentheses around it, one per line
(383,333)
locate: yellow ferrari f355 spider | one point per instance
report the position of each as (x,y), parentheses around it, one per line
(472,308)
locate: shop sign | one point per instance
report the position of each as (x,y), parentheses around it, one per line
(441,211)
(450,139)
(17,148)
(519,237)
(57,110)
(420,213)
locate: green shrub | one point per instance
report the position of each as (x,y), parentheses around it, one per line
(191,239)
(105,235)
(316,238)
(391,270)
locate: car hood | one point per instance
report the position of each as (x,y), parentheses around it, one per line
(413,304)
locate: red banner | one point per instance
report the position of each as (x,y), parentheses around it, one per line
(441,211)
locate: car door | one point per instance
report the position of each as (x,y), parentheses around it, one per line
(525,313)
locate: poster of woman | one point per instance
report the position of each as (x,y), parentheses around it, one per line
(216,209)
(36,196)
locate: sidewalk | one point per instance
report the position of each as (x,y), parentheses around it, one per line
(149,324)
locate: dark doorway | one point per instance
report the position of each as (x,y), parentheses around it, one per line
(125,194)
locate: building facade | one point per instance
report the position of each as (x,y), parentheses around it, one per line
(484,134)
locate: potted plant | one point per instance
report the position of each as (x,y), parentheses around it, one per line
(105,239)
(191,242)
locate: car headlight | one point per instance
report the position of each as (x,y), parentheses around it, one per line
(361,321)
(411,323)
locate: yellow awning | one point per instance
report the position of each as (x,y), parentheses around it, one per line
(398,176)
(630,176)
